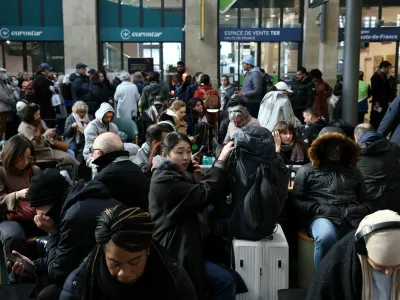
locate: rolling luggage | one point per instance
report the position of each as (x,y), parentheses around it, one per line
(263,265)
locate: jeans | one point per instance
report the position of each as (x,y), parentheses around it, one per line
(71,153)
(73,146)
(12,237)
(220,282)
(325,235)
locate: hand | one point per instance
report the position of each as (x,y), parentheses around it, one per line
(23,194)
(192,139)
(52,89)
(226,151)
(50,132)
(278,141)
(74,125)
(240,94)
(18,268)
(377,105)
(197,171)
(45,223)
(86,120)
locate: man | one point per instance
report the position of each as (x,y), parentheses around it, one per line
(391,122)
(154,136)
(276,107)
(126,98)
(313,126)
(44,90)
(364,264)
(70,222)
(7,102)
(80,82)
(181,68)
(380,166)
(329,193)
(124,179)
(364,93)
(102,123)
(194,86)
(381,93)
(252,86)
(267,83)
(303,92)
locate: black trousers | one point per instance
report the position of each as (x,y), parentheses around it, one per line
(50,292)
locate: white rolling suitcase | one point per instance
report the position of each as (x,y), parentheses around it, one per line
(263,265)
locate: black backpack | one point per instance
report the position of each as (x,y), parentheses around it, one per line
(259,184)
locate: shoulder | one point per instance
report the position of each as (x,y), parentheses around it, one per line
(74,286)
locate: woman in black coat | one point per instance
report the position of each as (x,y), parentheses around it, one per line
(43,92)
(197,123)
(98,93)
(177,201)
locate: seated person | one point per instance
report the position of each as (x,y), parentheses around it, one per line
(380,166)
(364,264)
(75,126)
(329,193)
(197,123)
(286,143)
(18,158)
(35,130)
(313,126)
(239,117)
(177,200)
(176,112)
(154,135)
(127,264)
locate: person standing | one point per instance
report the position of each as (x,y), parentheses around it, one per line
(6,102)
(226,92)
(381,93)
(126,98)
(252,86)
(151,91)
(364,92)
(97,93)
(303,93)
(194,86)
(391,122)
(44,90)
(323,93)
(80,82)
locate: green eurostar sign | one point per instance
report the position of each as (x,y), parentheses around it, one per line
(224,5)
(31,33)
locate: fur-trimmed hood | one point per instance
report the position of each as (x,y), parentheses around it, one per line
(351,151)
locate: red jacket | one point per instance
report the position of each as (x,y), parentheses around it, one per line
(209,90)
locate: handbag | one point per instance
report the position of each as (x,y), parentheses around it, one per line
(25,212)
(63,146)
(55,100)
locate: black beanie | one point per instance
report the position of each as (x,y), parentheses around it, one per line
(47,188)
(331,129)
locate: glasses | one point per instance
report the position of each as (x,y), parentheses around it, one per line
(29,159)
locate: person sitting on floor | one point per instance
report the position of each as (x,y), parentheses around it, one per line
(127,264)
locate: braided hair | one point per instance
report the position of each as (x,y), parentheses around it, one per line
(129,228)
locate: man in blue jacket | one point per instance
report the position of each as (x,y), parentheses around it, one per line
(252,86)
(391,122)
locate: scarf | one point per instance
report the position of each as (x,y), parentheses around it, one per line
(297,152)
(81,126)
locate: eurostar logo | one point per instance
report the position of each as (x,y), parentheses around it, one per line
(4,33)
(125,34)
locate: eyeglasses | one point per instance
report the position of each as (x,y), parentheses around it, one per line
(30,159)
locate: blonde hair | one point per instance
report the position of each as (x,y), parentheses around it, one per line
(177,105)
(80,105)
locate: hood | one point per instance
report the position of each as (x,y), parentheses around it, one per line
(106,159)
(154,88)
(104,108)
(74,76)
(171,113)
(274,96)
(351,151)
(255,69)
(380,146)
(319,124)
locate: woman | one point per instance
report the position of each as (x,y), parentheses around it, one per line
(18,157)
(177,200)
(177,111)
(139,81)
(127,263)
(239,117)
(98,93)
(126,98)
(75,126)
(151,91)
(293,150)
(226,92)
(206,91)
(323,93)
(35,130)
(196,119)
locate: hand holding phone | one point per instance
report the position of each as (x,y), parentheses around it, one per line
(20,264)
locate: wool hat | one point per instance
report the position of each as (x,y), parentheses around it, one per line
(249,60)
(281,86)
(81,66)
(330,129)
(47,188)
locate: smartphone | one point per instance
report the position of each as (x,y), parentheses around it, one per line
(191,168)
(30,268)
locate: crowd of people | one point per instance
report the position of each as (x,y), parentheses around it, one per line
(137,215)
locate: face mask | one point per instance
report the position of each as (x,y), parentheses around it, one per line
(16,83)
(3,76)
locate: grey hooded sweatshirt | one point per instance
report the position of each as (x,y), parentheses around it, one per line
(252,86)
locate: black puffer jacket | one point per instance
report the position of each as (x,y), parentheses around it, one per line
(79,86)
(380,167)
(303,93)
(43,96)
(335,192)
(310,132)
(97,94)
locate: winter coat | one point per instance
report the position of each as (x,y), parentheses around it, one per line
(391,122)
(7,102)
(303,93)
(124,179)
(79,86)
(150,92)
(163,278)
(97,94)
(232,128)
(335,192)
(380,166)
(229,91)
(174,201)
(69,132)
(252,86)
(191,90)
(75,238)
(381,89)
(140,86)
(310,132)
(204,90)
(142,156)
(95,128)
(127,98)
(339,275)
(43,96)
(323,93)
(275,107)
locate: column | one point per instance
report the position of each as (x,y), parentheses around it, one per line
(202,55)
(80,33)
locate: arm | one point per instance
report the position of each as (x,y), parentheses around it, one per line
(369,91)
(328,90)
(74,89)
(311,95)
(143,103)
(90,136)
(299,197)
(68,130)
(257,82)
(7,201)
(391,118)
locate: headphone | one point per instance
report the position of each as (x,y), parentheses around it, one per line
(361,247)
